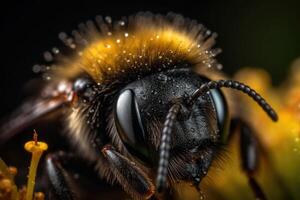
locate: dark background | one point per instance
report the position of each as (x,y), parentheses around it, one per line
(255,33)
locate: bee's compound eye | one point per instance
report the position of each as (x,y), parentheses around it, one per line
(83,88)
(128,123)
(221,108)
(81,84)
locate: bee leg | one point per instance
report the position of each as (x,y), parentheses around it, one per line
(134,181)
(59,180)
(249,153)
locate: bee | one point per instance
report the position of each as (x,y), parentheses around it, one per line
(141,103)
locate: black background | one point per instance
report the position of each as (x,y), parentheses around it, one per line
(254,33)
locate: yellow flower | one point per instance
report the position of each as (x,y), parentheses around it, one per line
(36,148)
(280,160)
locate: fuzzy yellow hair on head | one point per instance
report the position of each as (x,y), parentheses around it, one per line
(136,46)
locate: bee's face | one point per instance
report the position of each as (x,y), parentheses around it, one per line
(140,111)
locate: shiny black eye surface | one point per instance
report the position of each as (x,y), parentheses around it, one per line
(81,84)
(129,124)
(221,108)
(84,88)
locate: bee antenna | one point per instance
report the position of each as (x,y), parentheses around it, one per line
(165,145)
(237,86)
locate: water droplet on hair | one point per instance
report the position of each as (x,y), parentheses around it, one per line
(219,66)
(73,46)
(37,68)
(163,78)
(188,86)
(122,23)
(48,56)
(144,97)
(208,32)
(46,77)
(55,50)
(108,19)
(76,176)
(126,34)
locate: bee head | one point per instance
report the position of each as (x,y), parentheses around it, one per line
(140,111)
(176,120)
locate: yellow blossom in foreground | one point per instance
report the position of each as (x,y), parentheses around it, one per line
(280,153)
(36,148)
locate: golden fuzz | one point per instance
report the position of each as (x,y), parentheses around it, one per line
(145,43)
